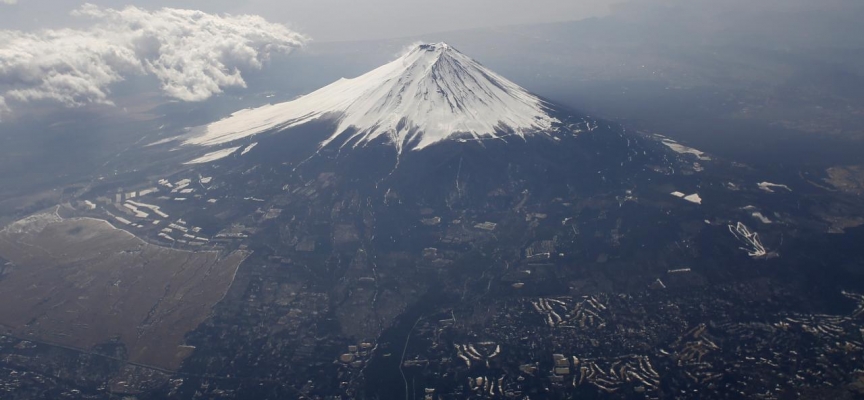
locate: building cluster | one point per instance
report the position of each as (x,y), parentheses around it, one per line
(482,352)
(569,313)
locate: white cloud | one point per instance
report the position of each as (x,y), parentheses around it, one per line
(193,54)
(10,2)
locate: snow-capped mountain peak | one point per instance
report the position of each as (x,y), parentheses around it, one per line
(431,93)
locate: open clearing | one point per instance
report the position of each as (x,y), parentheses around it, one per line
(80,282)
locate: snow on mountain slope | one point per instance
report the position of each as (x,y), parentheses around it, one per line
(430,94)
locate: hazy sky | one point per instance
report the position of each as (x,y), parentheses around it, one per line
(72,53)
(335,20)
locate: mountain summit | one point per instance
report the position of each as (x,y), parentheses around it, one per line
(430,94)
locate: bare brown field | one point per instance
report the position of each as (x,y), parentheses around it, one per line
(80,282)
(849,179)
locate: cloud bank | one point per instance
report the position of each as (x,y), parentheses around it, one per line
(194,55)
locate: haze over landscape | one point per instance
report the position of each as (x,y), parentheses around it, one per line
(443,199)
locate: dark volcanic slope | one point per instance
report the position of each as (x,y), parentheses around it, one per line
(365,239)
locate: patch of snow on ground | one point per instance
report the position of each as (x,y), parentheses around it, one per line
(769,187)
(750,240)
(758,215)
(678,195)
(248,148)
(213,156)
(164,141)
(694,198)
(681,149)
(755,213)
